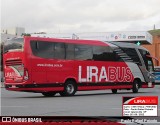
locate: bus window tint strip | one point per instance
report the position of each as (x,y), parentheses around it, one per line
(55,50)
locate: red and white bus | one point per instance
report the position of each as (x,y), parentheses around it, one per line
(50,66)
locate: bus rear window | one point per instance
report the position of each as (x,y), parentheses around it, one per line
(15,44)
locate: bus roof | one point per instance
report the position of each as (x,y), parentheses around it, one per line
(89,42)
(128,45)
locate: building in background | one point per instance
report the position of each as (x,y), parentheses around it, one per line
(154,49)
(11,33)
(142,37)
(17,31)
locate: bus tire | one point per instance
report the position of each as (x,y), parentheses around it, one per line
(114,91)
(69,88)
(49,94)
(135,86)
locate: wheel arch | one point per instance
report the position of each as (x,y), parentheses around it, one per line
(69,83)
(71,79)
(139,81)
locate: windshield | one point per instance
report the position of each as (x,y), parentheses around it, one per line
(150,65)
(13,44)
(147,60)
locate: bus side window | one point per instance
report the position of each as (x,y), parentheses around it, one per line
(59,51)
(43,50)
(103,53)
(70,51)
(37,46)
(83,52)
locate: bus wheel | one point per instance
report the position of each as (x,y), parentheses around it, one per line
(69,89)
(49,94)
(135,86)
(114,91)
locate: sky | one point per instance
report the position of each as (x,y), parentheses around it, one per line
(78,16)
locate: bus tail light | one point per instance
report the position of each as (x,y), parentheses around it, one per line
(26,76)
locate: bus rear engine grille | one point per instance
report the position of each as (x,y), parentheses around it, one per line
(13,62)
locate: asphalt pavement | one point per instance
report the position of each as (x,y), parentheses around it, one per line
(84,103)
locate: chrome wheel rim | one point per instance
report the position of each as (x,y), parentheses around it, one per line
(70,88)
(137,86)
